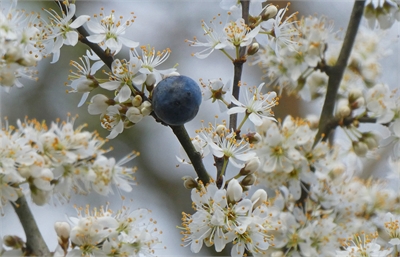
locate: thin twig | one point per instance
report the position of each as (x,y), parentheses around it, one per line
(194,156)
(336,72)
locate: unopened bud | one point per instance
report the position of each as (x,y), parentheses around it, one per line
(259,197)
(137,101)
(371,140)
(360,148)
(248,180)
(220,130)
(343,109)
(189,182)
(234,191)
(253,49)
(251,166)
(354,94)
(62,229)
(369,11)
(269,12)
(146,108)
(14,242)
(150,80)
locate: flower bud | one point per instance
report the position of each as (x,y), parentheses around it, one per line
(354,94)
(343,109)
(146,108)
(150,80)
(220,130)
(371,140)
(14,242)
(189,182)
(269,12)
(253,49)
(248,180)
(62,229)
(259,197)
(251,166)
(234,191)
(360,148)
(137,101)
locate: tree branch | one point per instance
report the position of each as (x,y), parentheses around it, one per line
(35,244)
(336,72)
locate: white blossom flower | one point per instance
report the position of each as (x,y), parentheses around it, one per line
(218,91)
(62,29)
(216,39)
(224,143)
(109,32)
(379,103)
(363,247)
(150,59)
(83,80)
(239,34)
(124,76)
(112,121)
(257,106)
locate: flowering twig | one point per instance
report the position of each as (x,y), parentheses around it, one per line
(335,73)
(35,244)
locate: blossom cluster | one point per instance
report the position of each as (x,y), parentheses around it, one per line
(99,232)
(320,204)
(57,160)
(224,216)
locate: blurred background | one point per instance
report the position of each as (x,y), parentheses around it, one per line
(162,24)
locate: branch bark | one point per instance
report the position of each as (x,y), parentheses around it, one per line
(336,72)
(35,244)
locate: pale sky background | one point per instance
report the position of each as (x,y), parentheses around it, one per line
(162,24)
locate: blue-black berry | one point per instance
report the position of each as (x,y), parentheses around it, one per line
(176,100)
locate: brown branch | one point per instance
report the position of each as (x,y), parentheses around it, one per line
(336,72)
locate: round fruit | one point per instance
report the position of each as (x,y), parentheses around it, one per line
(176,100)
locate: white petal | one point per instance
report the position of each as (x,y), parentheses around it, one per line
(95,28)
(79,21)
(72,38)
(96,38)
(255,119)
(124,94)
(128,43)
(111,85)
(236,109)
